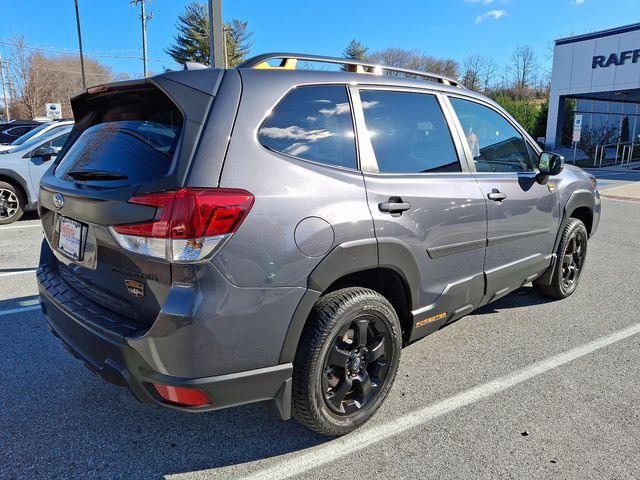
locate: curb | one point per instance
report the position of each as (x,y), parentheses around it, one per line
(615,197)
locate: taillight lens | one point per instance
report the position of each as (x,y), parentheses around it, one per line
(189,223)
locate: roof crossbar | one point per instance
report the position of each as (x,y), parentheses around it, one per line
(289,62)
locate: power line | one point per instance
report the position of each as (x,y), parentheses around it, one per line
(68,52)
(75,71)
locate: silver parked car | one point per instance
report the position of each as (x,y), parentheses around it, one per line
(221,237)
(21,170)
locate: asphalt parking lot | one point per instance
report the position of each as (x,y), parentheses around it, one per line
(523,388)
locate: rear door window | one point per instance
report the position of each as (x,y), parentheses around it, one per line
(313,123)
(135,135)
(408,132)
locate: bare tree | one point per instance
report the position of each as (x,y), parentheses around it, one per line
(28,90)
(488,74)
(473,67)
(39,79)
(523,68)
(398,57)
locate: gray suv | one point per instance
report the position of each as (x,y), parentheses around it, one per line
(266,233)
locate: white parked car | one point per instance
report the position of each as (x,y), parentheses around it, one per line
(21,170)
(36,132)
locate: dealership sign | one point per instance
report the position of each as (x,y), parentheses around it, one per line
(616,59)
(577,128)
(54,111)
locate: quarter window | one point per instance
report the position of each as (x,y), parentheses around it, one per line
(313,123)
(408,132)
(496,146)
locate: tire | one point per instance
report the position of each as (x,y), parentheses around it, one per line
(12,203)
(570,261)
(346,361)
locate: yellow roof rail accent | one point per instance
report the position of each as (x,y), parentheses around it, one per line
(285,64)
(289,61)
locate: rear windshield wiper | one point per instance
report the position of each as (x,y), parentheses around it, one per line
(96,175)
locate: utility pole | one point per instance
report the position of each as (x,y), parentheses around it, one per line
(217,57)
(84,80)
(144,17)
(4,91)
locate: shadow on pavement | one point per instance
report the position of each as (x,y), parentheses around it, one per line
(19,302)
(59,420)
(33,215)
(523,297)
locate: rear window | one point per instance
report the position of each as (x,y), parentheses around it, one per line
(313,123)
(133,133)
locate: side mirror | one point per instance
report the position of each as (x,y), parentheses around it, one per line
(47,153)
(550,164)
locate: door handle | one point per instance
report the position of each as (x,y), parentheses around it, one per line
(395,206)
(496,195)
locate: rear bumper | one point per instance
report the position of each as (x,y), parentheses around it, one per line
(101,343)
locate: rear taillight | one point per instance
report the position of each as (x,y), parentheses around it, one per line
(189,225)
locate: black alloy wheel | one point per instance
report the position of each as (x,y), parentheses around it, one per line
(573,260)
(346,361)
(356,365)
(569,265)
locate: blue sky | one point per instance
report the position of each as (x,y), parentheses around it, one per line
(453,28)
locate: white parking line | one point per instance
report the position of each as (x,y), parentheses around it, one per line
(9,227)
(11,311)
(8,274)
(363,438)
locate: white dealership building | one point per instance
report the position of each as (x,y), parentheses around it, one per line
(600,71)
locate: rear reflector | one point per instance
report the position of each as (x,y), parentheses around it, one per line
(183,397)
(189,223)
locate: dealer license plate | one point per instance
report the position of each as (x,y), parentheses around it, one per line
(70,238)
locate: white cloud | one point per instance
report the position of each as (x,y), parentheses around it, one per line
(577,2)
(339,109)
(295,133)
(495,14)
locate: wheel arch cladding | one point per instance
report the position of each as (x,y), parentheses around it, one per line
(355,264)
(580,205)
(17,183)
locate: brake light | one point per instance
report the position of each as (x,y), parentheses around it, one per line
(184,397)
(189,223)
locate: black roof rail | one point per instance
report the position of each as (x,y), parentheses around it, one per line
(289,62)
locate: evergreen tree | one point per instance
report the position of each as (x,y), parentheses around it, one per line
(238,42)
(355,50)
(192,41)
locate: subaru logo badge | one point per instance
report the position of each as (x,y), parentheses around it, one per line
(58,200)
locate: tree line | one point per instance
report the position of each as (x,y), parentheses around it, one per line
(518,86)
